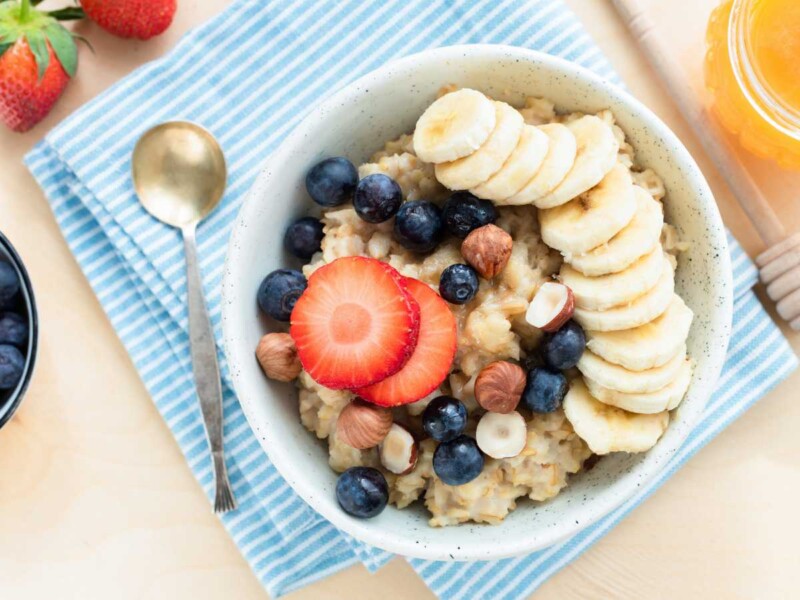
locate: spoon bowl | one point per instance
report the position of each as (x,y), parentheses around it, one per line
(179,172)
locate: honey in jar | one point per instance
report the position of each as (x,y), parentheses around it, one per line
(752,68)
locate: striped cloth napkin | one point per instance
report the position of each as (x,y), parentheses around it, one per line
(249,75)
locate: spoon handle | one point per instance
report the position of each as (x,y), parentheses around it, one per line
(206,370)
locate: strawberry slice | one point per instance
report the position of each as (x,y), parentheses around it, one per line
(432,358)
(355,324)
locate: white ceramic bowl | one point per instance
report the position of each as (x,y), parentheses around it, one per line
(356,122)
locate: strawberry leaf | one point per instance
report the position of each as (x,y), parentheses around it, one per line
(38,45)
(75,36)
(68,13)
(64,47)
(3,47)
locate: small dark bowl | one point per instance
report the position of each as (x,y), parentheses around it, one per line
(25,306)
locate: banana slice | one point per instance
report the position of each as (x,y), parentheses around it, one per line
(644,309)
(667,398)
(638,238)
(561,151)
(520,167)
(454,126)
(607,291)
(607,429)
(473,170)
(649,345)
(592,218)
(596,155)
(624,380)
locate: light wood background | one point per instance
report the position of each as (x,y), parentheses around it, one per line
(96,501)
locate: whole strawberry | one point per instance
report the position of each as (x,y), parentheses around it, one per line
(37,58)
(140,19)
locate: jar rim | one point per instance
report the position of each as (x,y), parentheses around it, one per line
(755,89)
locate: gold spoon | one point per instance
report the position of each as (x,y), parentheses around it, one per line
(179,174)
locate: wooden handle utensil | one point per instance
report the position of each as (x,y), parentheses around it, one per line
(779,264)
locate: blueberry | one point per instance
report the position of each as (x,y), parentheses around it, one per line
(362,492)
(12,363)
(458,284)
(444,418)
(563,349)
(279,291)
(377,198)
(9,284)
(544,390)
(418,226)
(458,461)
(463,212)
(303,237)
(332,181)
(13,329)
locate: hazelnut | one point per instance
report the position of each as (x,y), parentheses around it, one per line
(398,451)
(499,386)
(362,425)
(551,307)
(277,355)
(487,249)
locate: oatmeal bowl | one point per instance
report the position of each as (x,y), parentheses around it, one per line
(474,302)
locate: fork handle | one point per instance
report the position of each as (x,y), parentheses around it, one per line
(206,368)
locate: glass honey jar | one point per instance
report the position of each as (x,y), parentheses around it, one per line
(752,69)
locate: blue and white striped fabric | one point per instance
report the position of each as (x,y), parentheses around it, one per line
(249,75)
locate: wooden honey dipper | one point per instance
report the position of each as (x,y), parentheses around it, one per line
(779,264)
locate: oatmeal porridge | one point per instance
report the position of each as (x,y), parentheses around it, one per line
(526,279)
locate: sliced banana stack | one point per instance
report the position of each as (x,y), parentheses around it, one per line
(618,378)
(635,368)
(636,239)
(647,346)
(607,428)
(561,150)
(498,157)
(594,217)
(526,158)
(454,126)
(636,312)
(475,169)
(607,291)
(596,155)
(646,403)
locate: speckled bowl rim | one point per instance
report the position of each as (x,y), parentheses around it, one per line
(370,531)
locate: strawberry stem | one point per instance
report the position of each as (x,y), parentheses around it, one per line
(69,13)
(24,11)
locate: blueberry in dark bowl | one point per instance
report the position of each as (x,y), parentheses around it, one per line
(303,237)
(464,212)
(9,284)
(544,390)
(458,284)
(279,292)
(378,198)
(19,326)
(331,182)
(418,226)
(362,492)
(444,418)
(563,349)
(13,329)
(12,365)
(458,461)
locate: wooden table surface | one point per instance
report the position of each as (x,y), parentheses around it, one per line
(96,501)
